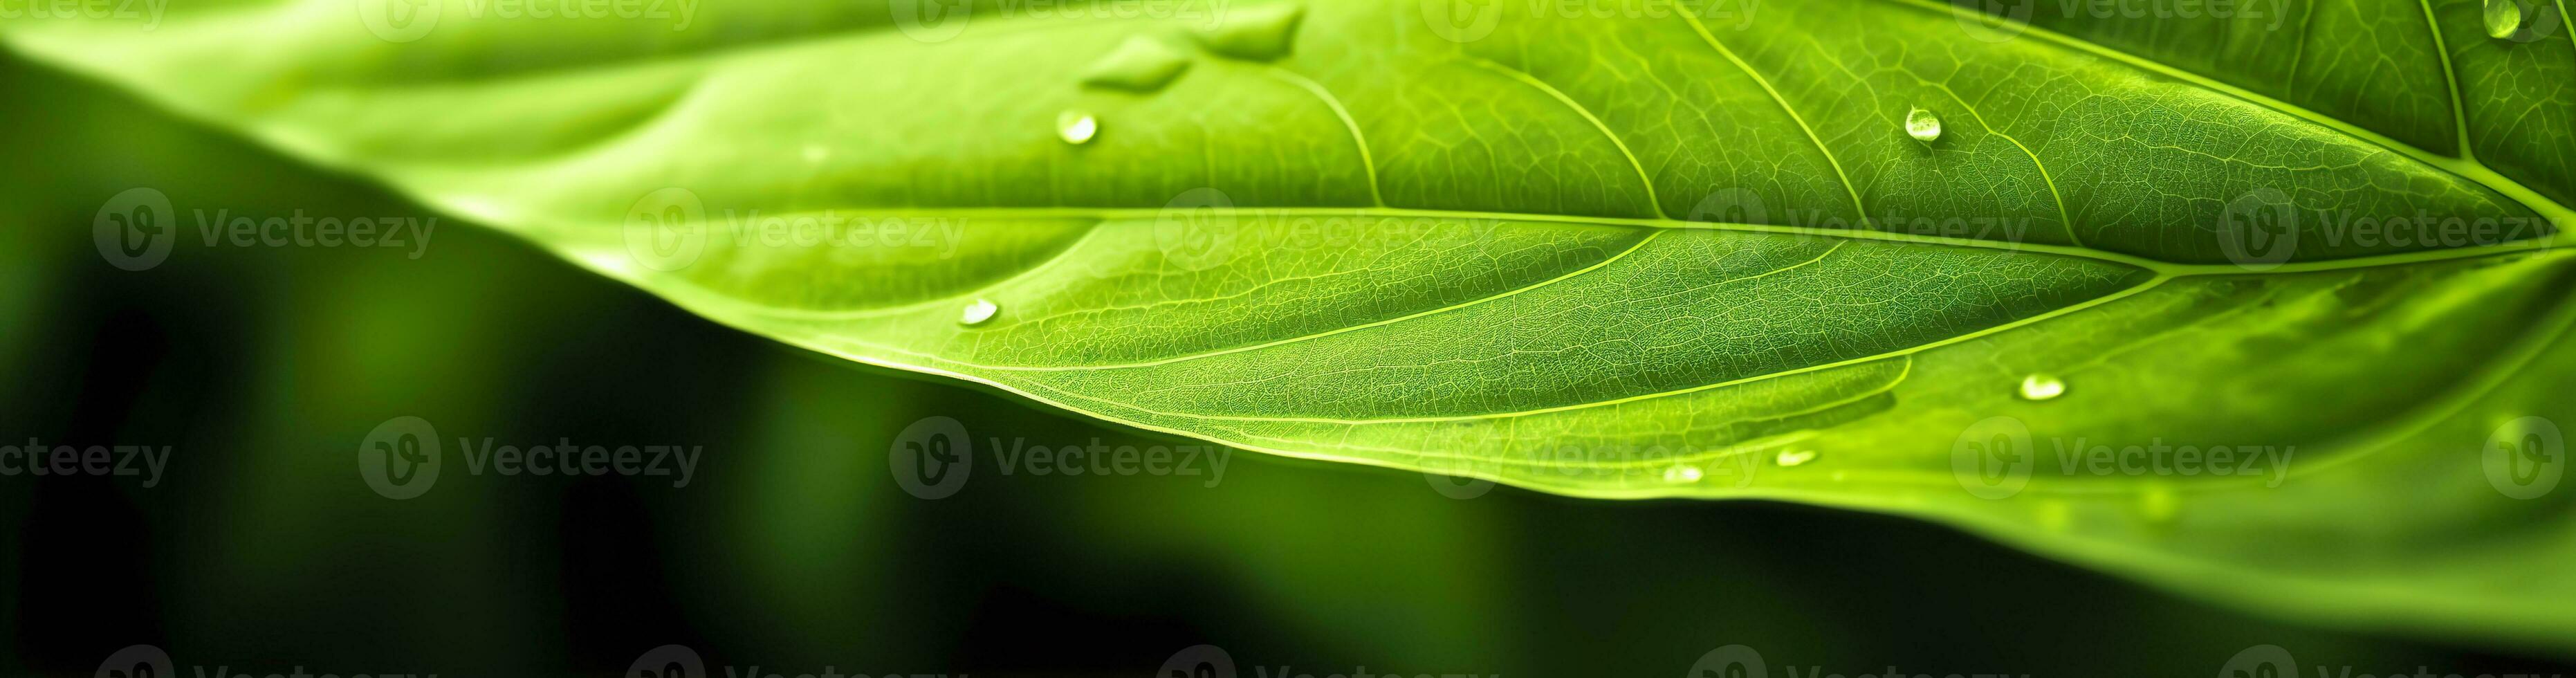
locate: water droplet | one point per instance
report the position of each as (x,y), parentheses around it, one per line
(2504,17)
(1795,457)
(1076,127)
(1922,125)
(1682,473)
(1141,64)
(1258,33)
(2042,386)
(978,312)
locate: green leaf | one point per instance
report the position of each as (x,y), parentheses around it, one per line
(1598,250)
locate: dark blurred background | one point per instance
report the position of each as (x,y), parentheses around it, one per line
(260,549)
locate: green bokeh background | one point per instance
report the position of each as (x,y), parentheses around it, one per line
(793,549)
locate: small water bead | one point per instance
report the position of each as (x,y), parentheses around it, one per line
(2042,386)
(1076,127)
(1682,473)
(978,312)
(1922,125)
(2504,17)
(1795,457)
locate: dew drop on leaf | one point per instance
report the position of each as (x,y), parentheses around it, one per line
(1259,33)
(978,312)
(1141,64)
(2503,18)
(1922,125)
(1682,473)
(1795,457)
(1076,127)
(2042,386)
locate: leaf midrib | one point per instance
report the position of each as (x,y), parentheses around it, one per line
(2158,266)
